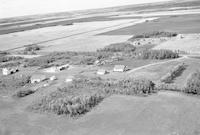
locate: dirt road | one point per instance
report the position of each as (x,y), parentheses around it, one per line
(165,113)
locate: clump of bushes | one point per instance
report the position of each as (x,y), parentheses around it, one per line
(3,53)
(78,58)
(83,94)
(118,47)
(193,83)
(167,86)
(154,34)
(14,82)
(68,105)
(23,93)
(176,71)
(157,54)
(32,48)
(131,87)
(9,58)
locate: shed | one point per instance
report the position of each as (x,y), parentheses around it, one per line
(101,72)
(38,78)
(51,70)
(52,78)
(69,79)
(119,68)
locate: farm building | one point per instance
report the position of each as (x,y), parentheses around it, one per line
(51,70)
(69,79)
(38,78)
(119,68)
(8,71)
(52,78)
(101,72)
(56,69)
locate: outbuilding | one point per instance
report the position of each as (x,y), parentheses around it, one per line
(69,79)
(38,78)
(119,68)
(101,72)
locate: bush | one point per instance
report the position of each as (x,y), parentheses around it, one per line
(157,54)
(176,71)
(118,47)
(79,58)
(32,48)
(14,82)
(68,105)
(193,83)
(154,34)
(131,87)
(23,93)
(83,94)
(171,87)
(9,58)
(3,53)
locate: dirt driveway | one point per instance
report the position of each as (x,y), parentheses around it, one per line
(165,113)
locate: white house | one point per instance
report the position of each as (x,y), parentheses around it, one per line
(119,68)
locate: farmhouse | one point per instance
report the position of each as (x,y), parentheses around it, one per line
(38,78)
(119,68)
(101,72)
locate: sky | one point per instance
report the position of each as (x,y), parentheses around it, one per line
(11,8)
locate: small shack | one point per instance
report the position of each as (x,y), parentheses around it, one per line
(38,78)
(119,68)
(101,72)
(52,78)
(69,79)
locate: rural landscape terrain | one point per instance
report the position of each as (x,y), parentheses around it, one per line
(127,70)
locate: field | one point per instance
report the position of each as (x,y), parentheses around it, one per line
(100,71)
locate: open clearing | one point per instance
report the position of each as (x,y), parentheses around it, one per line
(163,113)
(189,43)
